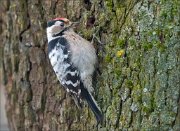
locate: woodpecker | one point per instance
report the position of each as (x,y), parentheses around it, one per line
(74,60)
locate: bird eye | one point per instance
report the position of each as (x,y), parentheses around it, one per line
(62,24)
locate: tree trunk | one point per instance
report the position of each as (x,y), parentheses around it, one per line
(138,50)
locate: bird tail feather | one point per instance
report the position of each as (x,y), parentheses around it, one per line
(92,104)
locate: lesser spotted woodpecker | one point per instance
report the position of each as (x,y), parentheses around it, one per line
(73,60)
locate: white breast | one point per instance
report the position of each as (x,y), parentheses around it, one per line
(83,54)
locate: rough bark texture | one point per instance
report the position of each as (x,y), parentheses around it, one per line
(138,87)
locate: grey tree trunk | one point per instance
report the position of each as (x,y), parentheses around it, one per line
(138,87)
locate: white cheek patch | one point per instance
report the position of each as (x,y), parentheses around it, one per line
(58,23)
(56,29)
(50,34)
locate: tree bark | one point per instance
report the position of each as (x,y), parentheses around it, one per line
(138,49)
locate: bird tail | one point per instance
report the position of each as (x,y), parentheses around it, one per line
(92,104)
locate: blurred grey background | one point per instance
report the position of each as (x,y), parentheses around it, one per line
(3,119)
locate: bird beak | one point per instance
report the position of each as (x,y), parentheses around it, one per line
(74,24)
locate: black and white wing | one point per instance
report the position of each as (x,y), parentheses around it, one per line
(68,75)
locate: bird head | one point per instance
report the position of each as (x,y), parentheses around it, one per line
(57,25)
